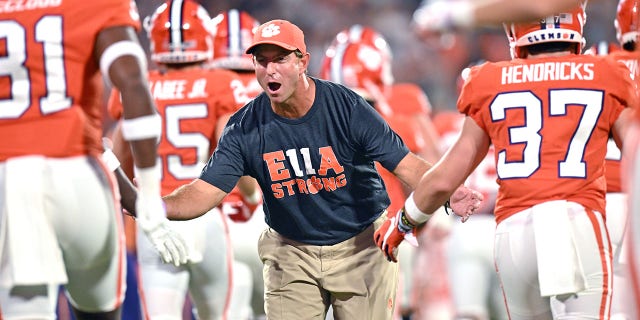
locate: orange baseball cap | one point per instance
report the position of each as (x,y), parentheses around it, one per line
(281,33)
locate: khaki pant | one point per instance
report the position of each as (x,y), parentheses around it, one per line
(302,281)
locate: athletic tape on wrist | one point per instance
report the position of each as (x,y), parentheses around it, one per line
(148,180)
(119,49)
(110,160)
(411,210)
(144,127)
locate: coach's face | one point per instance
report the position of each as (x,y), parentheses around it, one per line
(279,71)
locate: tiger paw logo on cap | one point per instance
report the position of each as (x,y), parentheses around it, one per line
(271,30)
(281,33)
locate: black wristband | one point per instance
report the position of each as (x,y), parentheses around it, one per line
(404,224)
(447,206)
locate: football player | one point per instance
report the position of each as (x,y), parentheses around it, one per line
(59,207)
(626,256)
(617,214)
(548,113)
(194,102)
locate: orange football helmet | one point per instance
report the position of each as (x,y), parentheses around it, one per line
(360,67)
(627,21)
(363,34)
(233,33)
(560,27)
(180,32)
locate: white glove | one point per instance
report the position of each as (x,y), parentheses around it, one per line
(151,217)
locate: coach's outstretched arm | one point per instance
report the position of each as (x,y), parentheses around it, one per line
(192,200)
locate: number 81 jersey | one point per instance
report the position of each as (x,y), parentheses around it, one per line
(549,120)
(50,84)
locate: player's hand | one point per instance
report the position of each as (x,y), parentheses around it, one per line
(436,17)
(432,18)
(389,236)
(151,217)
(464,202)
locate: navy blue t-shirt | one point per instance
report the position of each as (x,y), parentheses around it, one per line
(316,173)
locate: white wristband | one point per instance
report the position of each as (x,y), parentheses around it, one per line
(140,128)
(148,180)
(110,160)
(411,210)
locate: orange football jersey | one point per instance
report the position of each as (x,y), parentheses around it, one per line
(408,98)
(190,103)
(549,120)
(50,82)
(251,85)
(407,101)
(614,183)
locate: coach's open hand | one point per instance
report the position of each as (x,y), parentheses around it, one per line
(464,202)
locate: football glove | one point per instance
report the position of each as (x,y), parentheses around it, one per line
(392,232)
(152,218)
(237,207)
(153,222)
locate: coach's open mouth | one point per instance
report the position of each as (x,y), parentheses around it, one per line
(274,86)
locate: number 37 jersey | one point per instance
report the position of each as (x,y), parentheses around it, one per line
(549,120)
(50,82)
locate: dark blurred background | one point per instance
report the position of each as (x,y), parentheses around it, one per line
(434,65)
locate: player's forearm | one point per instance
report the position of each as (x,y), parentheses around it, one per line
(144,152)
(441,16)
(433,191)
(128,193)
(494,12)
